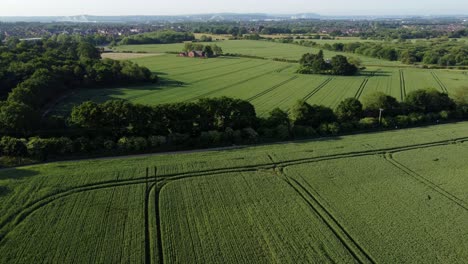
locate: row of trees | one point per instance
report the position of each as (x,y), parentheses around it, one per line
(119,126)
(442,52)
(316,64)
(158,37)
(33,74)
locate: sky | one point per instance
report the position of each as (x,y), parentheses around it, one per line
(177,7)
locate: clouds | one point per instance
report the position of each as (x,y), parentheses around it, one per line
(160,7)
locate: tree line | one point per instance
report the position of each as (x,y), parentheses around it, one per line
(158,37)
(119,126)
(441,52)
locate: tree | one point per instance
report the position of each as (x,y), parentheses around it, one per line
(341,66)
(429,101)
(12,147)
(208,51)
(277,118)
(304,114)
(378,100)
(217,50)
(17,117)
(349,110)
(87,51)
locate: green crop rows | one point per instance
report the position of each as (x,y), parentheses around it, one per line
(391,197)
(266,83)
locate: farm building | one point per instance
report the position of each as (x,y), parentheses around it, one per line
(194,54)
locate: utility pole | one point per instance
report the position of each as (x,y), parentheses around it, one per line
(380,115)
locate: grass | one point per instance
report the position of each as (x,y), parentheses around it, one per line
(391,197)
(265,83)
(256,48)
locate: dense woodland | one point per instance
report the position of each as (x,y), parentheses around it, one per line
(35,73)
(158,37)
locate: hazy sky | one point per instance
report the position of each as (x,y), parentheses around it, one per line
(170,7)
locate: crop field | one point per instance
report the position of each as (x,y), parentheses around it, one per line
(256,48)
(391,197)
(265,83)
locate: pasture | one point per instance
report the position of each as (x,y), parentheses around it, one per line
(265,83)
(390,197)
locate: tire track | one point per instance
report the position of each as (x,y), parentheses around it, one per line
(361,88)
(318,88)
(271,89)
(440,83)
(358,253)
(230,86)
(402,85)
(423,180)
(212,68)
(229,73)
(16,218)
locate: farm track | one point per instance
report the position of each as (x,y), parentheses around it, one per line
(271,89)
(318,88)
(402,85)
(232,85)
(359,254)
(17,218)
(389,157)
(440,83)
(202,63)
(228,73)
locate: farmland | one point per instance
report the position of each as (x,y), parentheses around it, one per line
(390,197)
(265,83)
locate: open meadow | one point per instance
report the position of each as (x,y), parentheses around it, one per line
(264,83)
(390,197)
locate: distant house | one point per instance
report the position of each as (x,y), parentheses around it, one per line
(194,54)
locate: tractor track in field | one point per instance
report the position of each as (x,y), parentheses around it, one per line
(213,68)
(228,73)
(316,89)
(271,89)
(440,83)
(364,84)
(402,85)
(351,245)
(231,85)
(18,217)
(389,157)
(361,88)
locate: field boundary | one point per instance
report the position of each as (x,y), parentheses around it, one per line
(389,157)
(439,82)
(316,89)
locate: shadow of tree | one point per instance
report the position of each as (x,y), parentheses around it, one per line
(16,173)
(4,191)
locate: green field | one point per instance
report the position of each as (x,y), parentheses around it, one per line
(391,197)
(265,83)
(257,48)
